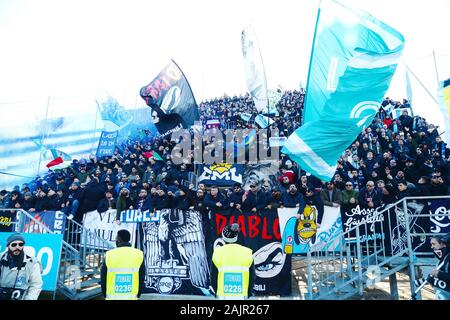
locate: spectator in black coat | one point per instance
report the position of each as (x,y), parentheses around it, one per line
(183,198)
(107,203)
(331,196)
(403,190)
(274,198)
(294,199)
(304,184)
(411,172)
(61,200)
(144,201)
(369,197)
(198,204)
(235,198)
(423,187)
(92,193)
(41,201)
(216,201)
(52,199)
(254,199)
(161,200)
(16,200)
(438,188)
(387,192)
(29,202)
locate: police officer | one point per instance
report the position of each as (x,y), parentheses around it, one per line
(20,274)
(122,273)
(233,271)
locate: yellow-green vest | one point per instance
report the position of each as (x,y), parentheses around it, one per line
(233,262)
(122,279)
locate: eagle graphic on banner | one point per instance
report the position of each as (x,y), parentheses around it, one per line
(175,251)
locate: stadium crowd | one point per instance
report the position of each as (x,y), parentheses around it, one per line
(391,159)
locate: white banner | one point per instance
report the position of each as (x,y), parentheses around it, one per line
(104,226)
(298,235)
(277,141)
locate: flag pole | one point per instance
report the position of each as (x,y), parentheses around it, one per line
(310,59)
(436,69)
(432,97)
(43,136)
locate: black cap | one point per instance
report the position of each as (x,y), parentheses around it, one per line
(230,233)
(124,235)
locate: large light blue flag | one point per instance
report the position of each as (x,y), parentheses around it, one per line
(353,59)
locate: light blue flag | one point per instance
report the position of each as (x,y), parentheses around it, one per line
(353,59)
(263,121)
(246,116)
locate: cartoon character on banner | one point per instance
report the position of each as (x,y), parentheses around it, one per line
(301,231)
(174,251)
(269,260)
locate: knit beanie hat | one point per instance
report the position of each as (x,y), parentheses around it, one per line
(230,233)
(15,237)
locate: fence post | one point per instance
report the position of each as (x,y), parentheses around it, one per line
(309,276)
(358,253)
(410,248)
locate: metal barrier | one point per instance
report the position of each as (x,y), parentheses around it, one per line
(356,262)
(91,247)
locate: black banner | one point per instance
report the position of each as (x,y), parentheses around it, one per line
(172,100)
(221,174)
(175,256)
(7,219)
(261,233)
(369,218)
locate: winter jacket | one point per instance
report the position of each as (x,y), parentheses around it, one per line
(104,204)
(26,280)
(254,200)
(123,203)
(347,195)
(211,201)
(336,197)
(291,200)
(364,194)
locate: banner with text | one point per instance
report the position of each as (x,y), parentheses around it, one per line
(104,226)
(7,220)
(221,174)
(261,233)
(53,220)
(107,144)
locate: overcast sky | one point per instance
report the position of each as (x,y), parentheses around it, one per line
(80,48)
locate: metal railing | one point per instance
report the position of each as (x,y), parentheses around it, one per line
(357,261)
(91,247)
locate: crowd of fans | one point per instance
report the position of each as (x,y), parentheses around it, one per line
(389,160)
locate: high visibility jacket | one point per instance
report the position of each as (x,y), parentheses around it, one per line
(122,279)
(233,262)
